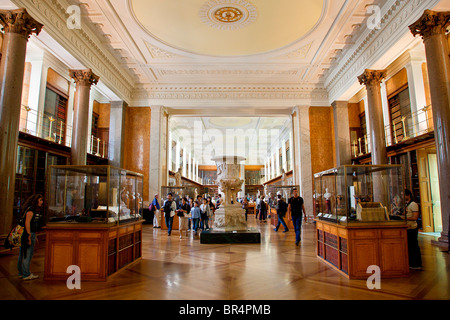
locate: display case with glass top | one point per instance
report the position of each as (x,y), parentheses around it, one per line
(94,194)
(359,194)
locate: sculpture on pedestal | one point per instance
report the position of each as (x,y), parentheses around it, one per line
(229,217)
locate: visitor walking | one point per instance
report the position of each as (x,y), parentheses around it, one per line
(169,212)
(195,216)
(156,209)
(263,207)
(282,208)
(295,208)
(183,213)
(205,214)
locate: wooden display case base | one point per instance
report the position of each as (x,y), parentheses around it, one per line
(99,250)
(352,249)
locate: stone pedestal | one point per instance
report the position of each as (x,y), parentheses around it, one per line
(230,218)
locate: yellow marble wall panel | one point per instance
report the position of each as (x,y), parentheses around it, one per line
(104,112)
(396,82)
(137,143)
(58,81)
(322,154)
(353,115)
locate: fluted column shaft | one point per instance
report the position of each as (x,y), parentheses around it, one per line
(372,80)
(432,27)
(18,25)
(84,79)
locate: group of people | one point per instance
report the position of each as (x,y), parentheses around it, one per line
(295,209)
(195,214)
(198,214)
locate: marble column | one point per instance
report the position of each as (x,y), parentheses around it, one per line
(342,133)
(18,26)
(372,80)
(302,155)
(84,79)
(432,26)
(158,175)
(117,133)
(417,95)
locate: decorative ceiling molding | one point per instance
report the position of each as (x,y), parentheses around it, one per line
(301,53)
(228,14)
(307,94)
(82,43)
(158,53)
(373,44)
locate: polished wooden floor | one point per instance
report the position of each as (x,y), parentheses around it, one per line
(274,270)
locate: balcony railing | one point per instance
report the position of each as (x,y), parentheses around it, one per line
(412,126)
(45,126)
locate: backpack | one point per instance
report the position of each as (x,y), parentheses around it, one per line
(14,238)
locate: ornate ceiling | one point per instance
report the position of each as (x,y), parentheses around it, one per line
(227,49)
(227,28)
(251,54)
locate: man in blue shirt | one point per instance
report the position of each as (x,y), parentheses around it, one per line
(155,208)
(195,216)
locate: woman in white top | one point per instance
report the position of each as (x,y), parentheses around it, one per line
(412,214)
(184,213)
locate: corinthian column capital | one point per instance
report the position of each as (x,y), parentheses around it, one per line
(19,21)
(431,23)
(372,77)
(84,77)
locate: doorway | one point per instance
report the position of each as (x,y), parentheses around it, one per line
(429,190)
(435,194)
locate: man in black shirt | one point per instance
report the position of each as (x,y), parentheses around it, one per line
(295,208)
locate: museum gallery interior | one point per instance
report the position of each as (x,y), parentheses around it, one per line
(106,103)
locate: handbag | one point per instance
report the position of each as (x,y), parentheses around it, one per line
(15,236)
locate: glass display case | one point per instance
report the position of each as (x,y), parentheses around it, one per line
(359,194)
(272,192)
(94,194)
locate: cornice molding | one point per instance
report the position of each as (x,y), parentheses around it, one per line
(232,95)
(81,43)
(373,44)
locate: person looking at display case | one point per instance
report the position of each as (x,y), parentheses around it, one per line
(31,209)
(295,208)
(412,214)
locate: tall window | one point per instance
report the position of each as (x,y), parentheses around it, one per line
(288,156)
